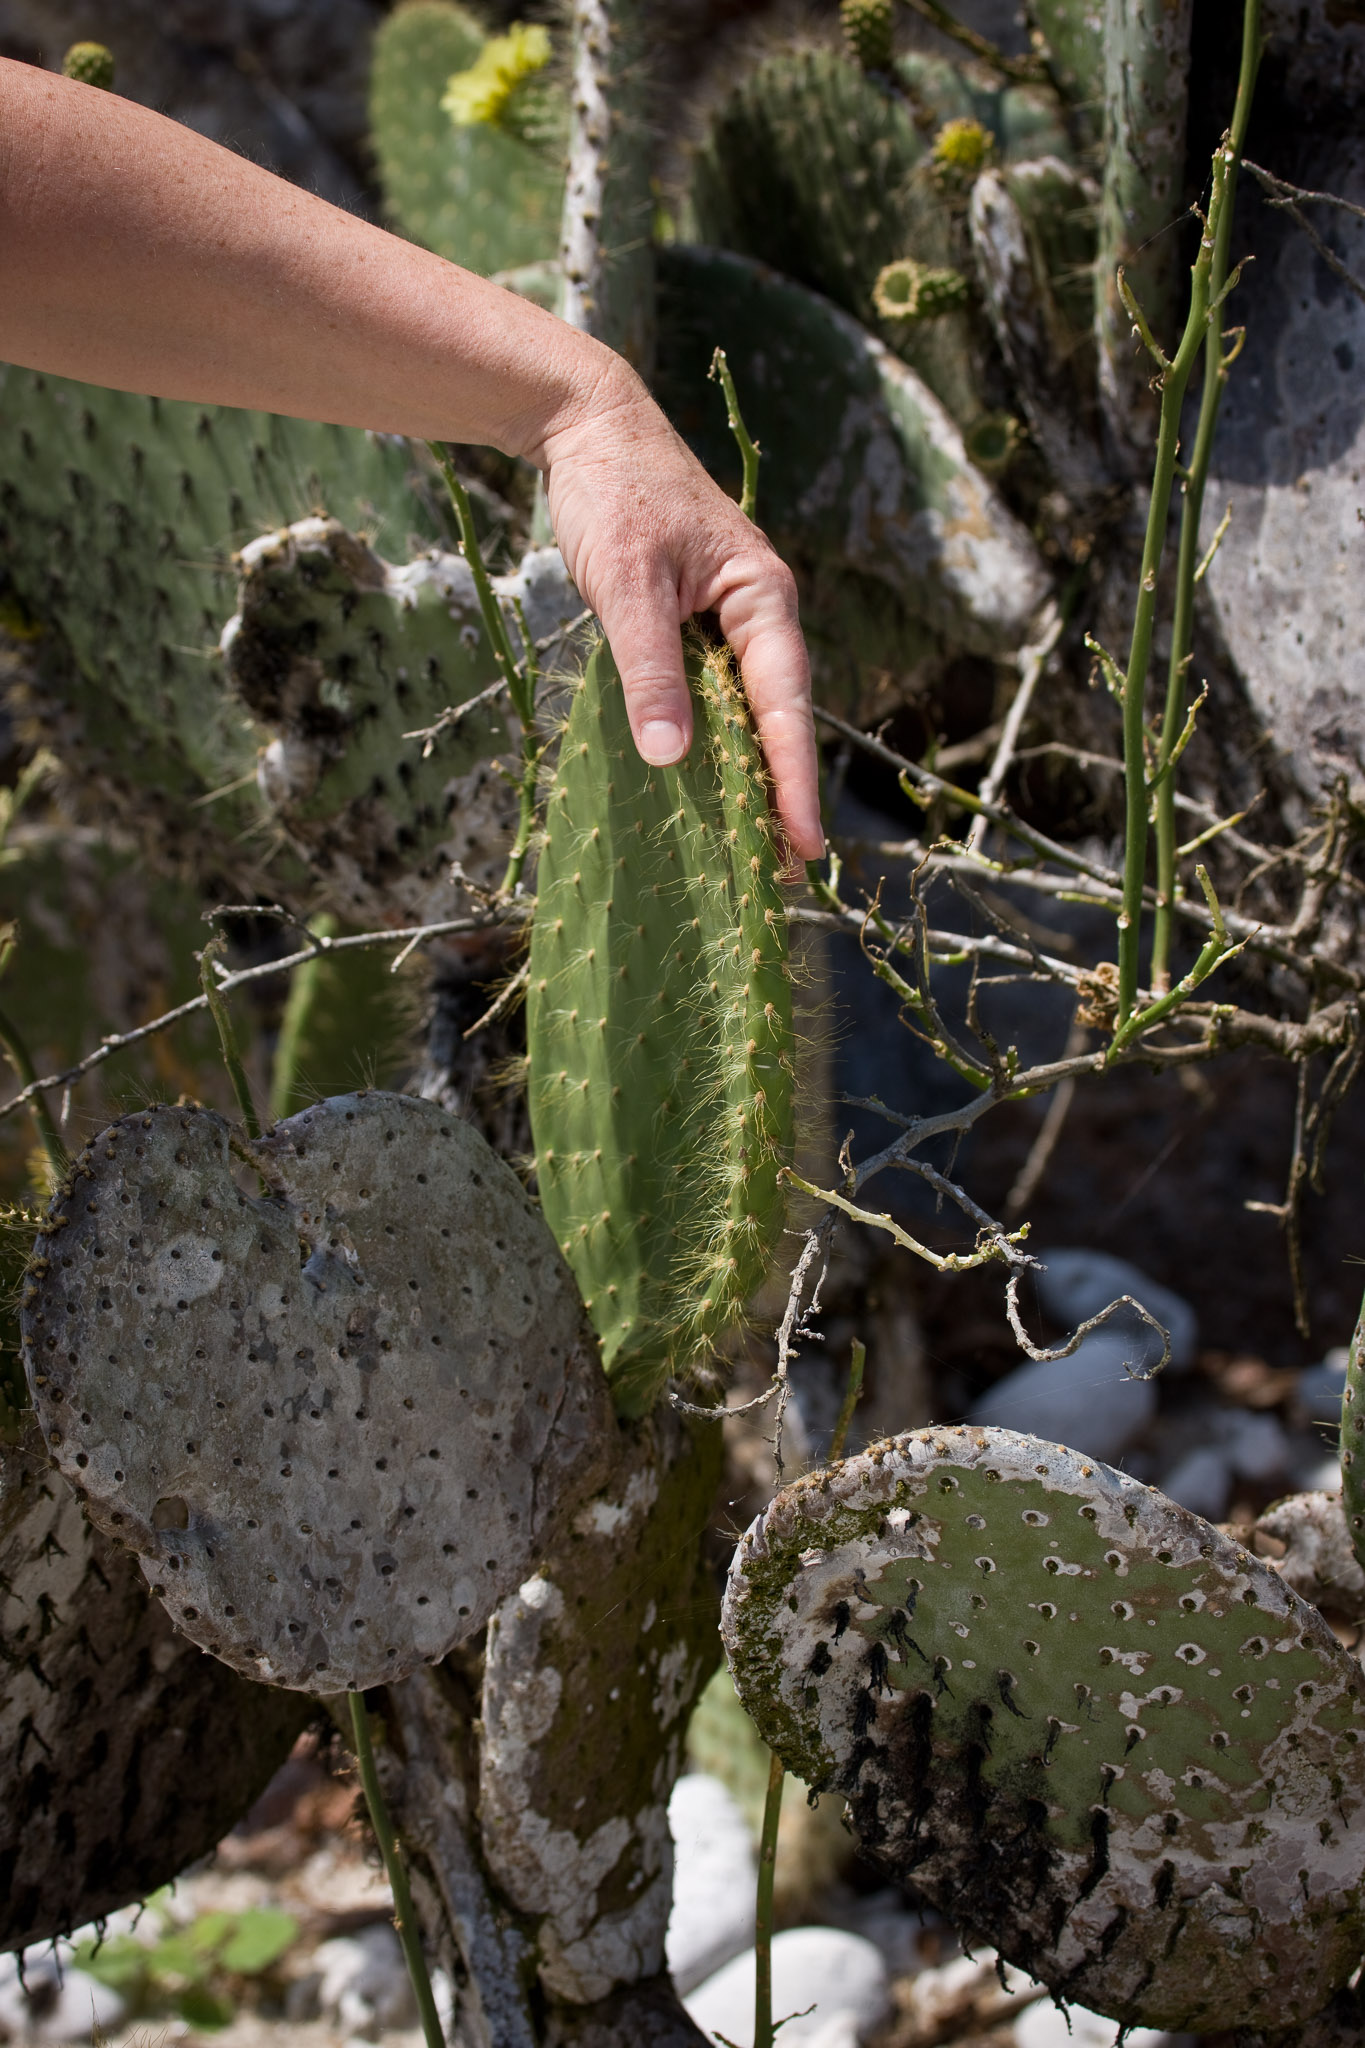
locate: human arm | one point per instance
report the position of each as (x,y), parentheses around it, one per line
(139,255)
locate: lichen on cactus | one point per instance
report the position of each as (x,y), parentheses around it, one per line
(1074,1716)
(91,64)
(659,1026)
(906,290)
(487,90)
(869,31)
(483,190)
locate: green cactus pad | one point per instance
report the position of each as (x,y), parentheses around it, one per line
(1073,1716)
(91,64)
(124,1753)
(659,1025)
(477,194)
(338,655)
(337,1423)
(863,471)
(118,518)
(869,31)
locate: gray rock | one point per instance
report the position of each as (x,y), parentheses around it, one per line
(842,1976)
(1087,1401)
(1200,1482)
(714,1872)
(1075,1283)
(1321,1387)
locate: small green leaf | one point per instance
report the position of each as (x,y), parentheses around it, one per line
(259,1939)
(203,2009)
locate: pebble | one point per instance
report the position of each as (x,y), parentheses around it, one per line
(1087,1401)
(714,1873)
(840,1975)
(1074,1283)
(54,2004)
(1044,2025)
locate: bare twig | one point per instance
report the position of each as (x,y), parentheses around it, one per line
(1032,662)
(1290,198)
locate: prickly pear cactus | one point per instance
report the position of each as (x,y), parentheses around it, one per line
(337,654)
(118,516)
(659,1025)
(864,472)
(1072,1715)
(336,1423)
(125,1753)
(870,31)
(91,64)
(474,190)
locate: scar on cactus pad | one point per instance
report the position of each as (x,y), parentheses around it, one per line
(1073,1716)
(338,1422)
(659,1025)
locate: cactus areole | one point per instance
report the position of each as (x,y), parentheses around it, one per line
(659,1026)
(1073,1716)
(336,1423)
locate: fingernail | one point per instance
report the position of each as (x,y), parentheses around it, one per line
(662,742)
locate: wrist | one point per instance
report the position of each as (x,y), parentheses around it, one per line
(580,385)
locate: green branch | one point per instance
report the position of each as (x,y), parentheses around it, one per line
(1215,951)
(749,451)
(1174,377)
(405,1919)
(1189,569)
(519,676)
(227,1037)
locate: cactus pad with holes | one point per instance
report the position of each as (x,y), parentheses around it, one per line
(336,1422)
(125,1754)
(1073,1716)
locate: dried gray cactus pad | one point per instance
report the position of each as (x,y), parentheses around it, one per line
(1073,1716)
(336,1424)
(125,1752)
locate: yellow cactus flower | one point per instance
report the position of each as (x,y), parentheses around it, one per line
(481,94)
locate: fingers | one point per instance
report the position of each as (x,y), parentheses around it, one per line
(760,622)
(642,629)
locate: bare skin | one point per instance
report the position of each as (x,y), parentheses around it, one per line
(138,255)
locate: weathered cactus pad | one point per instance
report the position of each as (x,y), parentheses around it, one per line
(1073,1716)
(336,1423)
(125,1753)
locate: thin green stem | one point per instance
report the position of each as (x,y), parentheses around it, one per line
(227,1038)
(1188,568)
(404,1918)
(22,1062)
(1215,951)
(748,449)
(763,1929)
(303,994)
(850,1400)
(1136,793)
(520,676)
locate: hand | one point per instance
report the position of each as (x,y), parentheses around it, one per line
(649,539)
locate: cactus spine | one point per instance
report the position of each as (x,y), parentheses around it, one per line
(659,1026)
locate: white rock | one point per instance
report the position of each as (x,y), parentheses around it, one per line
(1044,2026)
(841,1976)
(1255,1444)
(1201,1482)
(363,1985)
(1087,1401)
(714,1872)
(52,2003)
(1075,1283)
